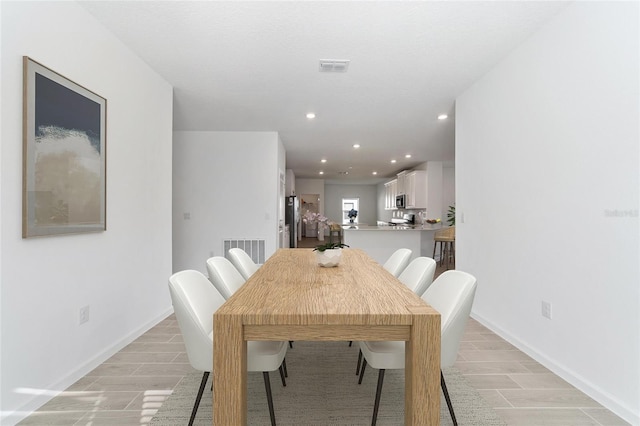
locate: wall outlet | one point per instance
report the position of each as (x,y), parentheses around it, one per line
(84,315)
(546,309)
(186,216)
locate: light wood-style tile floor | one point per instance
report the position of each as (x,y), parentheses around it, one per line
(129,387)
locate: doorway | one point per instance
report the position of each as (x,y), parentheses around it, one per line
(309,203)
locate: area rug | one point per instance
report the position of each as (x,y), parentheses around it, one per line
(322,389)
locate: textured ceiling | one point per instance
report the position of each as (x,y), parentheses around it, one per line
(253,66)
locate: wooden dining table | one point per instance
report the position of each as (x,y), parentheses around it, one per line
(292,298)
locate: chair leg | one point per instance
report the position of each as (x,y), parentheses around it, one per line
(446,254)
(453,253)
(350,343)
(281,370)
(267,386)
(364,365)
(446,397)
(376,405)
(290,344)
(359,362)
(203,383)
(284,366)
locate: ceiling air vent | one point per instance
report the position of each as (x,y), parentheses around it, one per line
(334,65)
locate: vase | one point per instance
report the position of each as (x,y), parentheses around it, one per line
(329,258)
(320,233)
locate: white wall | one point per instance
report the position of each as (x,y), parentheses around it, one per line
(367,212)
(434,188)
(120,273)
(448,189)
(290,180)
(227,182)
(546,154)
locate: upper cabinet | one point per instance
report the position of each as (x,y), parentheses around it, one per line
(423,189)
(415,188)
(390,192)
(412,184)
(401,185)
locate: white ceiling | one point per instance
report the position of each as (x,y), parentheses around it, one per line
(254,66)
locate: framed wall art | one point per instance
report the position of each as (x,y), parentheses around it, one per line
(64,155)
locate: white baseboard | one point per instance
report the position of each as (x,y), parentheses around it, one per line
(585,386)
(13,417)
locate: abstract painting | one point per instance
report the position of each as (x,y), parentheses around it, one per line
(64,158)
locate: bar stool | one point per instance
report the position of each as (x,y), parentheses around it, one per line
(335,230)
(447,239)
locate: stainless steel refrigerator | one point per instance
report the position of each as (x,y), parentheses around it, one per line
(292,218)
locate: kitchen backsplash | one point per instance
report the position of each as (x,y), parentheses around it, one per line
(391,214)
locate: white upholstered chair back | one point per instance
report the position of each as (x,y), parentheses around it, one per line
(418,276)
(452,295)
(398,261)
(224,276)
(194,302)
(243,263)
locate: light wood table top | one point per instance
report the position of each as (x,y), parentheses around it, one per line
(292,298)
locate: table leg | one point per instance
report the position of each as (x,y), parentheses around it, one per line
(229,371)
(422,369)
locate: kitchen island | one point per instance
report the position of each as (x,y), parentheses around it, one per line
(380,242)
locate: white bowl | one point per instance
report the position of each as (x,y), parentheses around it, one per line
(329,258)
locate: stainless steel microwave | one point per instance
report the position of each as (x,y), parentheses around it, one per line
(401,201)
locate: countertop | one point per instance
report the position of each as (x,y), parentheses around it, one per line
(425,227)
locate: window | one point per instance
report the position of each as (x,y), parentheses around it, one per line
(347,205)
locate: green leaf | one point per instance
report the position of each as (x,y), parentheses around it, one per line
(329,246)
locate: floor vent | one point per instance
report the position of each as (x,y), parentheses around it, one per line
(254,248)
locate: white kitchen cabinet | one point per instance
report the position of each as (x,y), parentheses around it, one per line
(401,185)
(390,192)
(415,186)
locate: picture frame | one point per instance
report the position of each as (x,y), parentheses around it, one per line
(64,155)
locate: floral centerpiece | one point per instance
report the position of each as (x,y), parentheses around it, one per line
(353,213)
(322,221)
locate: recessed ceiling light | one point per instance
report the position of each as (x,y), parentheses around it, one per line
(374,173)
(321,172)
(407,156)
(311,115)
(393,161)
(324,160)
(356,145)
(443,117)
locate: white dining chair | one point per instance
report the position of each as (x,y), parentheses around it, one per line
(243,262)
(452,295)
(418,275)
(398,261)
(224,276)
(194,302)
